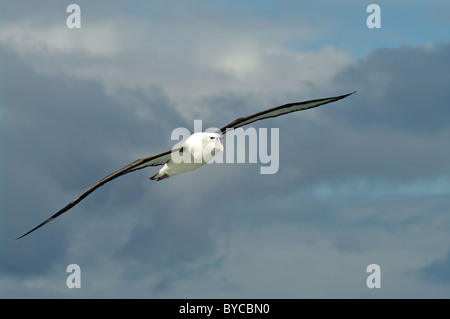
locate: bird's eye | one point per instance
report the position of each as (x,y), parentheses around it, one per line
(211,137)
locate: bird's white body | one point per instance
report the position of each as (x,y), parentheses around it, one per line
(193,152)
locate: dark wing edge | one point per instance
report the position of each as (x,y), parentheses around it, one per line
(280,110)
(136,165)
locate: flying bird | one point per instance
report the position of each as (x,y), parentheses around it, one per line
(199,148)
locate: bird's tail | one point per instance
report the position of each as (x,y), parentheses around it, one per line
(158,176)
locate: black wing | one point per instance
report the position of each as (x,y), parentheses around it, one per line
(155,160)
(280,110)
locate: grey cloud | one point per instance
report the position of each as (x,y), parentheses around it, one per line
(438,271)
(400,89)
(394,129)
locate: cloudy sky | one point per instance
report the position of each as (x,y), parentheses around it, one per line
(362,181)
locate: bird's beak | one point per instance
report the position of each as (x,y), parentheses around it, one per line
(220,143)
(221,146)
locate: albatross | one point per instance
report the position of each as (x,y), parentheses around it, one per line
(199,147)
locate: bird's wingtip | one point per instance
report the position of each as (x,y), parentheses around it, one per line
(23,235)
(38,226)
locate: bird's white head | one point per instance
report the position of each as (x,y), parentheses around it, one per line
(212,143)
